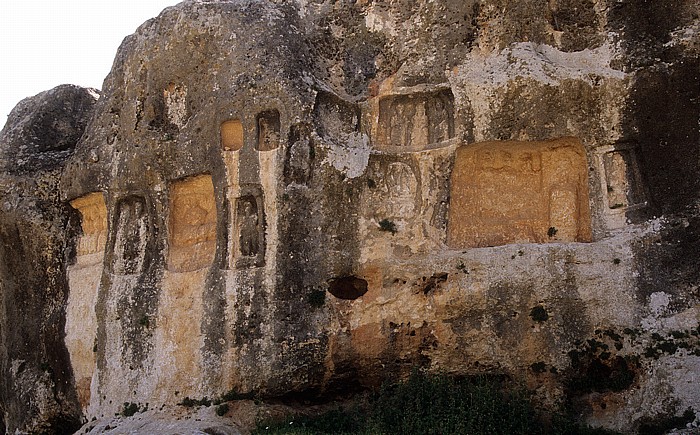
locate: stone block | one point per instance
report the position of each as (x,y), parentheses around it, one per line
(192,224)
(519,192)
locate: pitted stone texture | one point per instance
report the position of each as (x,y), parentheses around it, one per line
(519,192)
(42,130)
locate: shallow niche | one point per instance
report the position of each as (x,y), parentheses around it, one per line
(415,122)
(132,232)
(268,130)
(192,225)
(249,228)
(621,182)
(519,192)
(175,102)
(93,222)
(232,135)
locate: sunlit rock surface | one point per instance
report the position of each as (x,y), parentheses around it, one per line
(302,198)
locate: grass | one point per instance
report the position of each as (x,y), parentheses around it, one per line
(433,404)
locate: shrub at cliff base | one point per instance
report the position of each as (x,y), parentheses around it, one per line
(434,404)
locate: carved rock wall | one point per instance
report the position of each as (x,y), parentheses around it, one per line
(298,198)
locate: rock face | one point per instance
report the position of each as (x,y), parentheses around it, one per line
(37,391)
(305,198)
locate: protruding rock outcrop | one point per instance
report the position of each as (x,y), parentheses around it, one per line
(37,391)
(294,198)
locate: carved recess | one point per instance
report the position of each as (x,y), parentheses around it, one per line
(232,135)
(132,231)
(519,192)
(93,222)
(415,122)
(268,130)
(192,226)
(249,228)
(621,183)
(83,281)
(175,102)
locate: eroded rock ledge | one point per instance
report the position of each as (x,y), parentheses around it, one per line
(306,198)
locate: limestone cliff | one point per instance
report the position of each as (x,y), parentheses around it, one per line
(308,197)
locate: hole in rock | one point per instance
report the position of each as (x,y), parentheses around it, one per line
(347,287)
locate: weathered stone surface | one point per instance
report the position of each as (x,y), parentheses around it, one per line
(38,387)
(298,198)
(518,192)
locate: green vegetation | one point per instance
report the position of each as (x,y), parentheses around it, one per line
(551,232)
(129,409)
(434,404)
(316,298)
(539,314)
(222,409)
(387,225)
(190,403)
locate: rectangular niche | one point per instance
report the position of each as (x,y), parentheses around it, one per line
(175,99)
(268,130)
(621,184)
(232,135)
(622,181)
(416,121)
(192,226)
(93,222)
(519,192)
(249,228)
(131,235)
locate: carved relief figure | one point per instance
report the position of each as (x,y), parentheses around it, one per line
(297,168)
(401,186)
(416,121)
(250,232)
(519,192)
(131,235)
(401,123)
(440,117)
(268,130)
(248,221)
(192,224)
